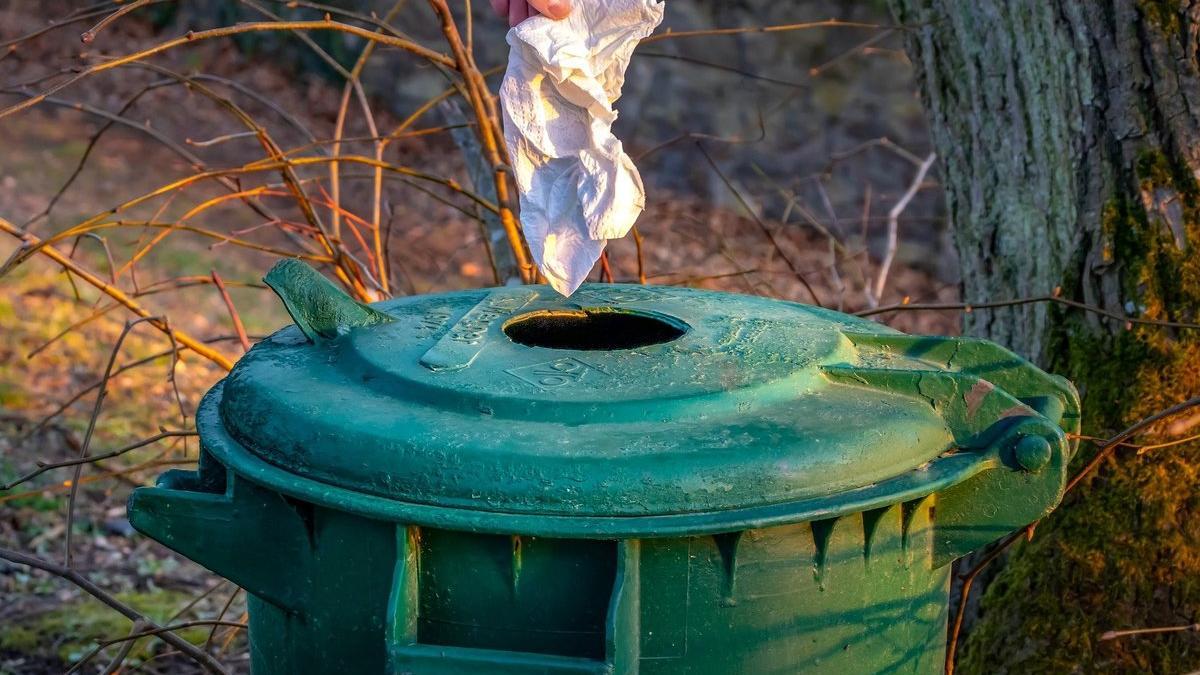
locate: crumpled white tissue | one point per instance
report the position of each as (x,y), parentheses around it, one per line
(577,186)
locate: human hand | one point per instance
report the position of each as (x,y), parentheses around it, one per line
(519,10)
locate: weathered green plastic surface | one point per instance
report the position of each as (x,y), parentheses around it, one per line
(769,488)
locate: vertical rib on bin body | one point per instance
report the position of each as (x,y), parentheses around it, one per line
(639,480)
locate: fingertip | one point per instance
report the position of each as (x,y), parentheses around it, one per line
(557,9)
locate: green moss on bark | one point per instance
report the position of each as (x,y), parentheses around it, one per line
(1124,550)
(1165,14)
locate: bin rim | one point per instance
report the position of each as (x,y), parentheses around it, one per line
(949,469)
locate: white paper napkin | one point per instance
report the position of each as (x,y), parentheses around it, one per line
(577,186)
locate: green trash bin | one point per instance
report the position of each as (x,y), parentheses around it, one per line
(633,480)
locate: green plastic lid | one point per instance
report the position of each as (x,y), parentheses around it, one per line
(622,408)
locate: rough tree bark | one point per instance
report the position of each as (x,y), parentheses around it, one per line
(1069,133)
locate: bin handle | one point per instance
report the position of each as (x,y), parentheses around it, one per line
(1020,446)
(235,528)
(321,310)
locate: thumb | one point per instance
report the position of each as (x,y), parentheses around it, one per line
(555,9)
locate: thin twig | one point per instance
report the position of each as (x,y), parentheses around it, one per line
(217,140)
(226,31)
(881,142)
(91,428)
(490,135)
(140,632)
(197,600)
(118,659)
(204,660)
(62,407)
(1141,449)
(781,28)
(691,60)
(606,275)
(116,473)
(233,313)
(1114,634)
(354,85)
(893,229)
(861,47)
(732,140)
(220,617)
(114,666)
(96,314)
(761,225)
(1114,442)
(30,241)
(90,34)
(500,254)
(233,632)
(159,630)
(641,259)
(968,581)
(118,118)
(89,459)
(972,306)
(80,14)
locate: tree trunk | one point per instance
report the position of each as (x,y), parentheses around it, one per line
(1070,139)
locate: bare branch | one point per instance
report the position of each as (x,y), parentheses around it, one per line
(44,467)
(30,241)
(761,225)
(90,34)
(62,407)
(782,28)
(1114,634)
(204,660)
(969,307)
(860,48)
(101,394)
(490,135)
(249,27)
(893,230)
(233,313)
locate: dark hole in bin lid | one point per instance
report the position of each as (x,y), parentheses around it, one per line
(593,329)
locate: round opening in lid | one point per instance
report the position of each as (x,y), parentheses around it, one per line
(593,329)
